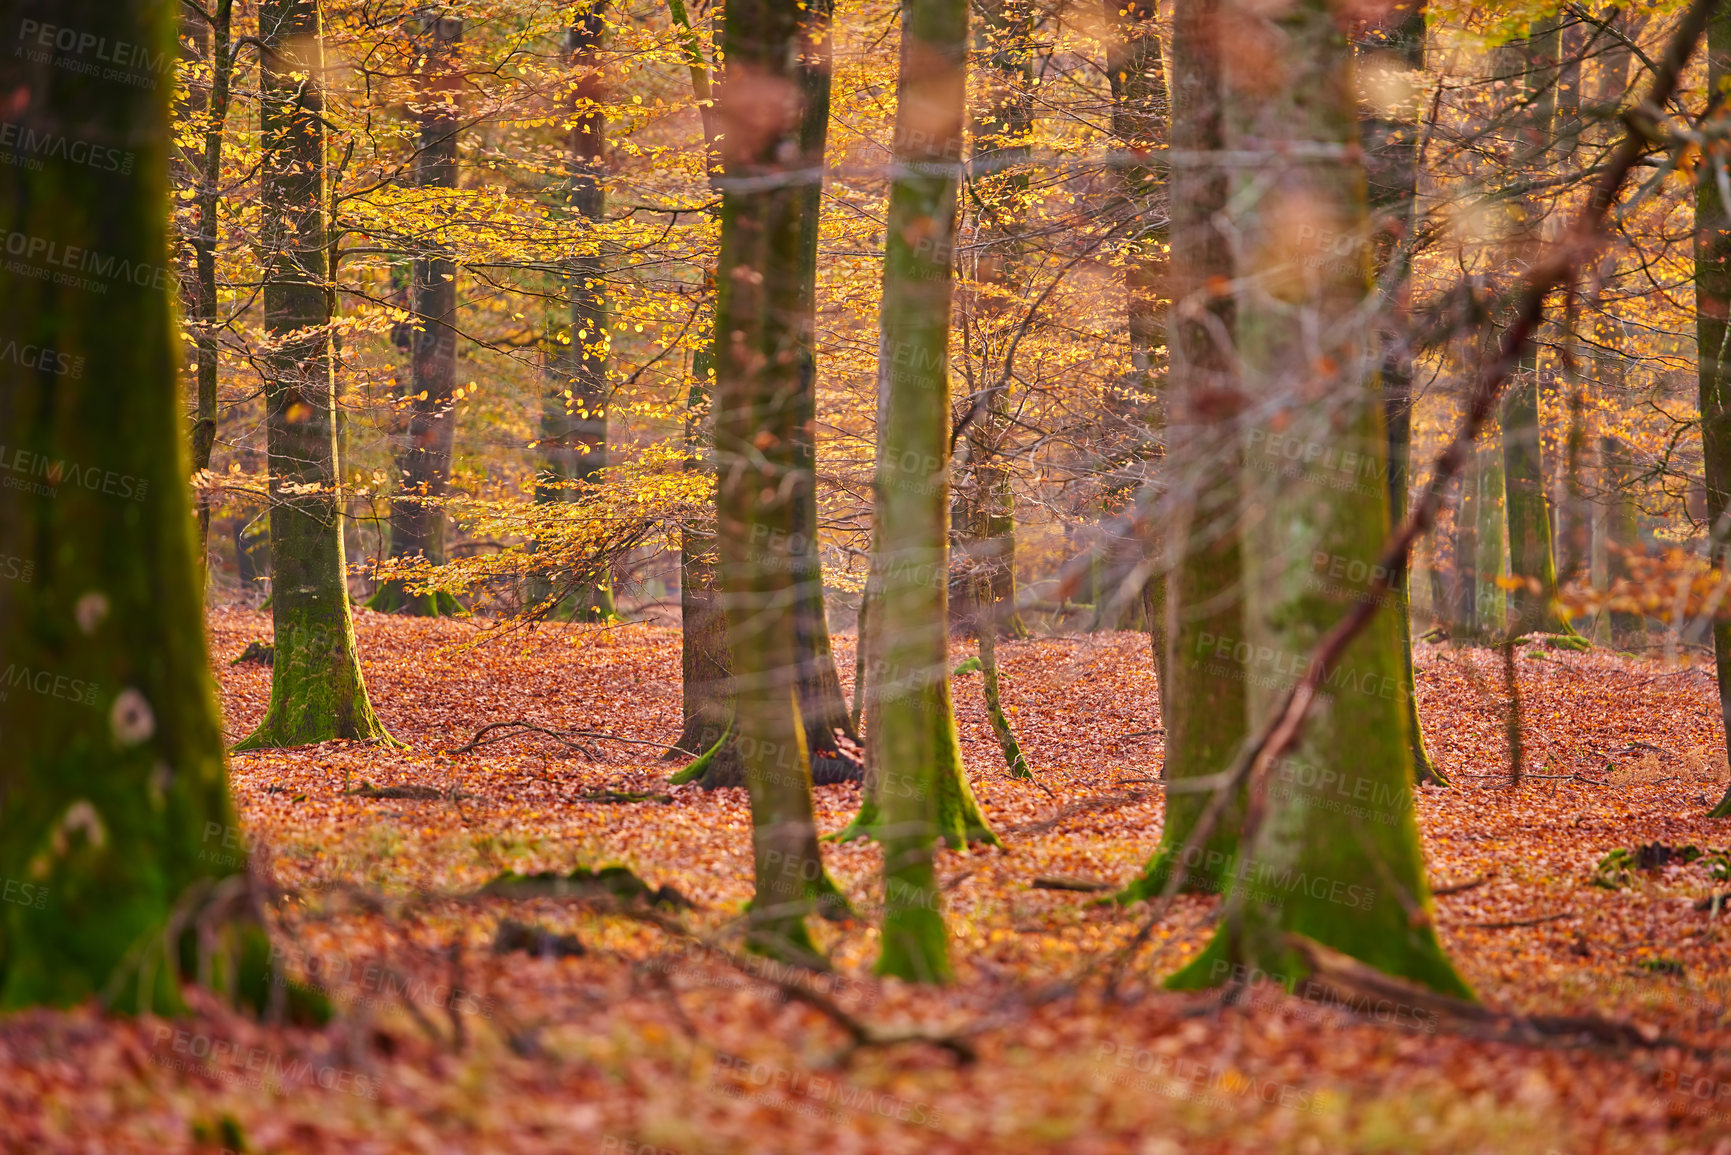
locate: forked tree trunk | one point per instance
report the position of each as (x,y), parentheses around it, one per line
(428,405)
(1202,704)
(117,814)
(317,691)
(1391,162)
(1713,339)
(831,735)
(761,322)
(822,706)
(1349,876)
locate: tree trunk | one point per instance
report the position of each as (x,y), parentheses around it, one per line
(204,300)
(317,691)
(424,459)
(760,324)
(822,706)
(116,815)
(708,705)
(1140,115)
(1391,140)
(1713,340)
(1203,702)
(704,661)
(1534,64)
(1307,864)
(921,789)
(983,517)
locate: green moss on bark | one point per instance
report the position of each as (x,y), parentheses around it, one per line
(116,802)
(317,689)
(1349,876)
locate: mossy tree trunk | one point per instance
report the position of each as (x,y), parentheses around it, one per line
(1713,339)
(317,691)
(113,779)
(1391,139)
(822,706)
(761,326)
(1203,701)
(829,728)
(1351,877)
(428,406)
(921,792)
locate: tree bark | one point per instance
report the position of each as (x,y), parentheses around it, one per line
(708,705)
(1713,340)
(1351,877)
(1391,139)
(424,458)
(1140,115)
(983,515)
(204,299)
(1203,703)
(1534,64)
(317,690)
(921,789)
(114,808)
(822,706)
(760,326)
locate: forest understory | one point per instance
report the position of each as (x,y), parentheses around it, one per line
(627,1027)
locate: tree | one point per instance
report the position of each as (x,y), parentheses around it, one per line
(1713,340)
(317,690)
(1309,372)
(1203,700)
(1532,564)
(705,662)
(214,107)
(1391,141)
(984,514)
(574,412)
(427,404)
(761,319)
(1140,115)
(920,790)
(116,795)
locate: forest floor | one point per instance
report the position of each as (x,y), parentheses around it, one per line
(649,1043)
